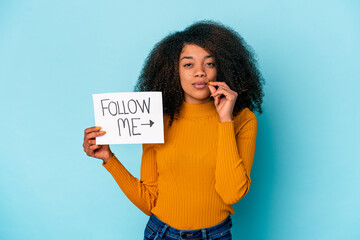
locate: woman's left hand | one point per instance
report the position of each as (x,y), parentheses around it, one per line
(224,99)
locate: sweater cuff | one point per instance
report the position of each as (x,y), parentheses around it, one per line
(227,143)
(227,128)
(113,162)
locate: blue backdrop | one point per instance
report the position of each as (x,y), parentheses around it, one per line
(55,54)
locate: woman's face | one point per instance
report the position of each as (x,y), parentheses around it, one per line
(196,69)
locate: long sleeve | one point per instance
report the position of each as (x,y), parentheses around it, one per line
(143,192)
(191,181)
(236,149)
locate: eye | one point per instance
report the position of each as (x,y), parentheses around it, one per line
(210,64)
(187,65)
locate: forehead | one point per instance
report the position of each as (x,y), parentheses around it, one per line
(194,50)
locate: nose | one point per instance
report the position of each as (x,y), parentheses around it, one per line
(199,72)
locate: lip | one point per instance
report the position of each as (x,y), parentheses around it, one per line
(199,85)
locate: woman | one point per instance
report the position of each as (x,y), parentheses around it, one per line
(210,86)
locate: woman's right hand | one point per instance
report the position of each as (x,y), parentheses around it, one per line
(97,151)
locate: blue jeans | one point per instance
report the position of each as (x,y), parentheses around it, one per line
(156,229)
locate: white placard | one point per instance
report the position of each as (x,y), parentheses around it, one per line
(129,117)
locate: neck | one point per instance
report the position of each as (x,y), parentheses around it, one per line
(198,110)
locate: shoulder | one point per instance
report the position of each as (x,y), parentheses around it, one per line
(243,118)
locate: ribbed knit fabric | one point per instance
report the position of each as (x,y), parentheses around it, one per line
(192,180)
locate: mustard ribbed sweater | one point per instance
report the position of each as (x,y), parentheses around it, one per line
(192,180)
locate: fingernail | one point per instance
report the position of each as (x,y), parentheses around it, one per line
(97,128)
(102,132)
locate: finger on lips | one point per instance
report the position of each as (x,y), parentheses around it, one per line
(218,84)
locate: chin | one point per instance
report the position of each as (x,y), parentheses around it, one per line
(204,99)
(199,96)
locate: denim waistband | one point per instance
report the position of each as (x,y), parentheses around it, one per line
(162,228)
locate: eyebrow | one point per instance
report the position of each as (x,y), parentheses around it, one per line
(190,57)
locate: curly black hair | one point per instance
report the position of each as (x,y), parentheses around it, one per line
(235,61)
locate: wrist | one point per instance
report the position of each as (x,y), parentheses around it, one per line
(225,119)
(107,159)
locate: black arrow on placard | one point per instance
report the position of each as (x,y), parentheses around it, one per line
(150,123)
